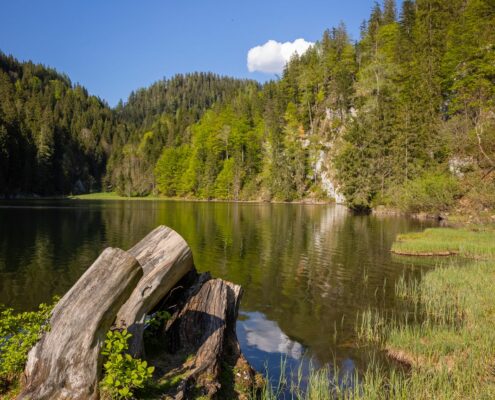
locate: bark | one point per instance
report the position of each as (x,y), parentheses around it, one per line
(165,258)
(204,325)
(66,362)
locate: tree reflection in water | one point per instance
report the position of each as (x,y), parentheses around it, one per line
(306,270)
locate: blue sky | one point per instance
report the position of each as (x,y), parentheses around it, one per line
(114,47)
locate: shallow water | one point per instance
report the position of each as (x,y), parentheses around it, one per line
(306,270)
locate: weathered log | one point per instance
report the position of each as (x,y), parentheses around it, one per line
(123,287)
(165,258)
(204,326)
(66,362)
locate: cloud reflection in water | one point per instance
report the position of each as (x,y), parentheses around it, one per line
(266,336)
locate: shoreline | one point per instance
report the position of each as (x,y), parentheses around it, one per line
(453,219)
(111,196)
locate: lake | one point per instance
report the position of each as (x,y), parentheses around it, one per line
(307,270)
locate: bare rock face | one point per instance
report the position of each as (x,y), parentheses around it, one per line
(165,258)
(66,362)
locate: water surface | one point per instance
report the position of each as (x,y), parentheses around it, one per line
(306,270)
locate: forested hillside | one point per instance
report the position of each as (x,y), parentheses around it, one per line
(159,117)
(404,116)
(54,137)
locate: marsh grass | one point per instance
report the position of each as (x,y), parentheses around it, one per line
(444,343)
(476,242)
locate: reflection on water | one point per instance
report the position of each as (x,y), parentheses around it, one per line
(306,270)
(269,349)
(264,335)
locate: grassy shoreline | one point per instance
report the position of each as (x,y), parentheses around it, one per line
(115,196)
(445,349)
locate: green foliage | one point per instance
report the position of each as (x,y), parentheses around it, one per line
(158,120)
(157,319)
(413,95)
(170,170)
(480,193)
(123,373)
(19,332)
(153,325)
(432,192)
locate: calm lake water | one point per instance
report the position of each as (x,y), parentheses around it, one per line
(306,270)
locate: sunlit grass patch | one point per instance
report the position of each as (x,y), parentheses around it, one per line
(476,243)
(111,196)
(452,350)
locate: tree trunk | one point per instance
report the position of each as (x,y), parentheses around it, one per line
(66,362)
(165,258)
(204,326)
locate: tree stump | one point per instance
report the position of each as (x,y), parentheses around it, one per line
(203,327)
(165,258)
(66,362)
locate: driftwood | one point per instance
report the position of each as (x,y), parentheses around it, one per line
(123,288)
(165,258)
(66,362)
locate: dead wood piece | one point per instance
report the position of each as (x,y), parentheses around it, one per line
(205,328)
(165,258)
(66,362)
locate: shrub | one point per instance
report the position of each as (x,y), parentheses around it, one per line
(432,192)
(123,373)
(480,192)
(250,190)
(19,332)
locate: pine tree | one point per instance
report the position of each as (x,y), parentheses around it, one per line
(389,12)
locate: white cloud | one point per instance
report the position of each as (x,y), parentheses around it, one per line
(272,56)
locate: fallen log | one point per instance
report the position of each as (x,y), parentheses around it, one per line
(66,362)
(165,258)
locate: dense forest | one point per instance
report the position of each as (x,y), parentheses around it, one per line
(404,117)
(54,137)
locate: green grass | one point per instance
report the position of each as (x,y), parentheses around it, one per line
(115,196)
(477,243)
(111,196)
(446,342)
(454,344)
